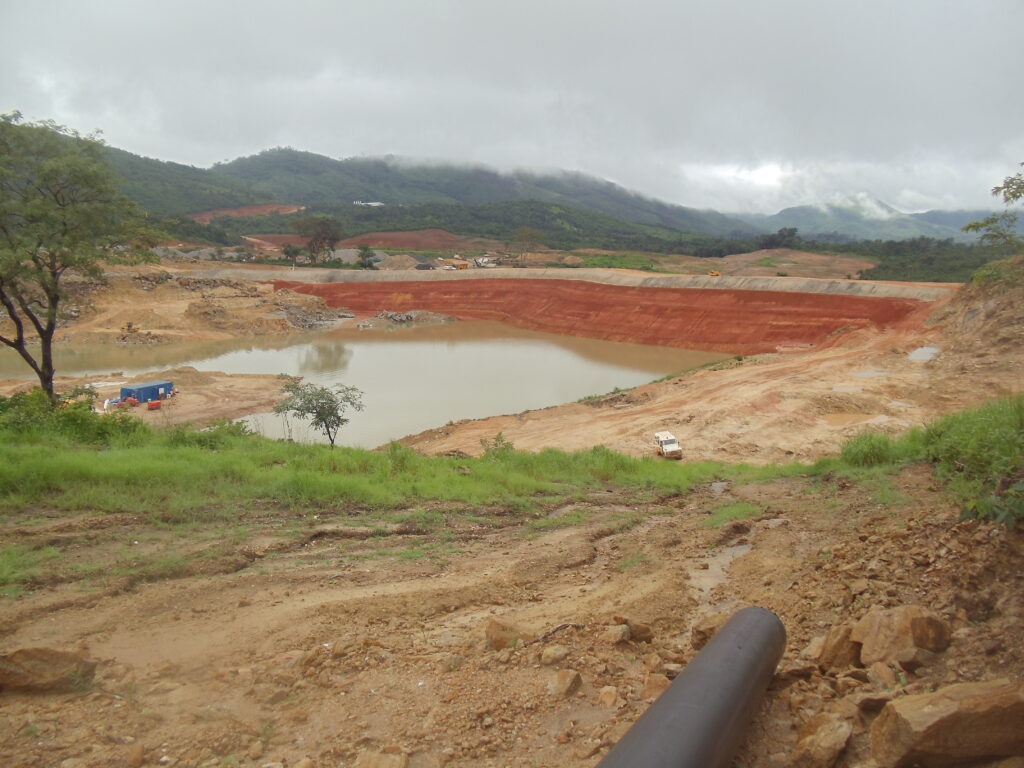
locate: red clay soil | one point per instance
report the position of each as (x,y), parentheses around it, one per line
(741,322)
(246,210)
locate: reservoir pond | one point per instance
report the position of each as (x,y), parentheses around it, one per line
(413,379)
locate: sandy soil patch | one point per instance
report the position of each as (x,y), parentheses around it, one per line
(246,210)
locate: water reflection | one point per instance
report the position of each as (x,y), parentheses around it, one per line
(325,357)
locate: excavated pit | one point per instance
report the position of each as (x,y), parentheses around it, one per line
(715,319)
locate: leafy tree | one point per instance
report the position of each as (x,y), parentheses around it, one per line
(291,251)
(323,407)
(787,237)
(524,240)
(323,233)
(60,214)
(366,257)
(1000,229)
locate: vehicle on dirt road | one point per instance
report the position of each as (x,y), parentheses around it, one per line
(668,446)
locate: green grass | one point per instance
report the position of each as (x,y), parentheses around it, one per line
(978,454)
(19,564)
(72,459)
(726,513)
(622,260)
(633,560)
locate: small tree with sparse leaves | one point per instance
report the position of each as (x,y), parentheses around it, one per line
(365,257)
(323,407)
(1000,229)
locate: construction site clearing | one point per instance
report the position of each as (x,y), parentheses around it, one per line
(517,646)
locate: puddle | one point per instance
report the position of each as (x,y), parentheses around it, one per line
(901,404)
(923,354)
(842,419)
(705,580)
(870,374)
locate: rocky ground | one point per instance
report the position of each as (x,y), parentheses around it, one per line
(493,639)
(493,643)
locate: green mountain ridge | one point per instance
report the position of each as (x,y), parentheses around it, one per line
(171,189)
(284,175)
(309,179)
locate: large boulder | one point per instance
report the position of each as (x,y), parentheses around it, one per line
(706,628)
(499,635)
(839,651)
(45,669)
(820,741)
(956,724)
(886,632)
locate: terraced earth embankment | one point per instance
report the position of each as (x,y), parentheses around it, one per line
(743,315)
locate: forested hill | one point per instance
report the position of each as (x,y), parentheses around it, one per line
(309,179)
(172,189)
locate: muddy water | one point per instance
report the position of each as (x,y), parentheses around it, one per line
(413,378)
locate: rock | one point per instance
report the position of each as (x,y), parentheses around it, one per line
(705,629)
(136,756)
(870,701)
(615,634)
(641,633)
(565,683)
(255,751)
(884,632)
(882,676)
(342,646)
(956,724)
(672,670)
(452,661)
(820,741)
(839,651)
(305,763)
(553,654)
(813,649)
(45,669)
(368,759)
(795,670)
(608,696)
(652,661)
(1010,762)
(654,686)
(860,586)
(498,635)
(912,659)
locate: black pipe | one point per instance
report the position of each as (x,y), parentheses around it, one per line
(699,721)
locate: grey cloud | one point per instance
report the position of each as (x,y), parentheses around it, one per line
(912,101)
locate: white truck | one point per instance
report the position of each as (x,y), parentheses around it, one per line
(668,446)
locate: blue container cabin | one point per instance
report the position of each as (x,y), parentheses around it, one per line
(152,390)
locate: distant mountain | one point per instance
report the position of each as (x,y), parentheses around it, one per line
(866,218)
(314,180)
(957,219)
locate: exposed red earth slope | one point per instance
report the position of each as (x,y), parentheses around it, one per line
(206,217)
(742,322)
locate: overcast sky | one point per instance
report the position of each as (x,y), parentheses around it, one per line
(752,105)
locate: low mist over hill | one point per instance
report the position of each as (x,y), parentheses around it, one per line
(865,218)
(308,179)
